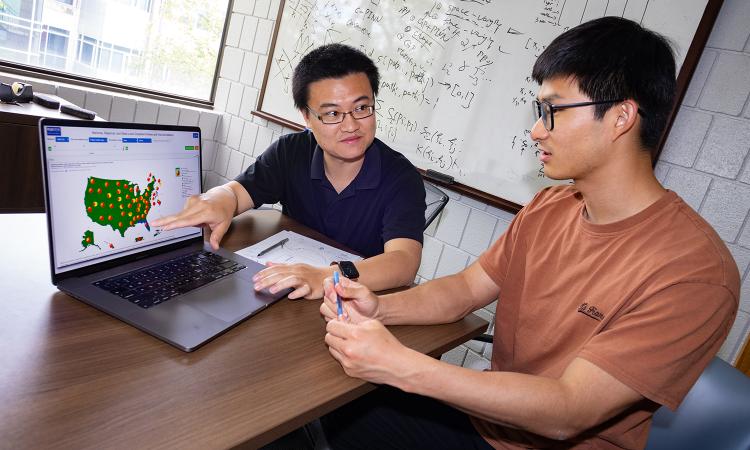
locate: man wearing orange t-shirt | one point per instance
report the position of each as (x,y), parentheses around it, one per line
(613,293)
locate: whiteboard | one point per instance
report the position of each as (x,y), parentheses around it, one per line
(455,93)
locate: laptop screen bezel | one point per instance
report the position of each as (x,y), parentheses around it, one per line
(96,267)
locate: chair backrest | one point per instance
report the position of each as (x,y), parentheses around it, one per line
(714,415)
(436,200)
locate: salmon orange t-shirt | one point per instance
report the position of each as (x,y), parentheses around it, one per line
(648,299)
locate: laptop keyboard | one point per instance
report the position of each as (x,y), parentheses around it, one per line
(156,284)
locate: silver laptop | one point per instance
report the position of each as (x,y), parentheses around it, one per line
(104,182)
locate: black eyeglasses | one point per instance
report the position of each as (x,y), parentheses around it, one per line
(334,117)
(546,111)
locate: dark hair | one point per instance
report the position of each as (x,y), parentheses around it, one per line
(330,61)
(613,58)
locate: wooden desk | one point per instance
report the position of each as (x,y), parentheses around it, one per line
(73,377)
(20,167)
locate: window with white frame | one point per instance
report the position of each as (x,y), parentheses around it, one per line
(165,46)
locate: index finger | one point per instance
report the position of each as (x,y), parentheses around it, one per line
(329,294)
(163,220)
(331,306)
(183,219)
(326,311)
(191,208)
(328,286)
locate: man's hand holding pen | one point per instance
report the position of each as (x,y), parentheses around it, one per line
(358,340)
(358,303)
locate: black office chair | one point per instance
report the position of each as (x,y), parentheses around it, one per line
(435,200)
(486,338)
(714,415)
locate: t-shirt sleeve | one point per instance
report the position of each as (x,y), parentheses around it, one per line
(403,216)
(496,259)
(660,346)
(264,179)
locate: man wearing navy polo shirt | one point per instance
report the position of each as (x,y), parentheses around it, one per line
(334,177)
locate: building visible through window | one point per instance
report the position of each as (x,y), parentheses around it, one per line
(169,46)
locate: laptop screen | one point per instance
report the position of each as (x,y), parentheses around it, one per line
(105,185)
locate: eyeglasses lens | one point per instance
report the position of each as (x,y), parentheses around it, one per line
(542,110)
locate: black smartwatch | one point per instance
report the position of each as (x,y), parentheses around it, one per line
(348,270)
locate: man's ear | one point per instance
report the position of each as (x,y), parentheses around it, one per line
(626,116)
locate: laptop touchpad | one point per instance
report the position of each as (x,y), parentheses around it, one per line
(230,299)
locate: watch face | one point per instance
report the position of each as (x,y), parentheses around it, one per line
(348,269)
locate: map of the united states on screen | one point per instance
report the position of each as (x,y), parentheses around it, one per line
(120,204)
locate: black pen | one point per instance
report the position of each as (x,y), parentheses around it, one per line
(278,244)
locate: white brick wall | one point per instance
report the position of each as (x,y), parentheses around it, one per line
(100,103)
(706,156)
(168,115)
(145,112)
(728,84)
(123,109)
(705,159)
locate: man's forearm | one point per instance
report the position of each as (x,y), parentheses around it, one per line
(388,270)
(527,402)
(561,408)
(442,300)
(243,201)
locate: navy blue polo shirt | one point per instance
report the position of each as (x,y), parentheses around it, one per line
(386,200)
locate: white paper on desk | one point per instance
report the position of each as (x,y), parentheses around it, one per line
(298,249)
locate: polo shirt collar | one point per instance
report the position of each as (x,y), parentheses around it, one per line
(369,174)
